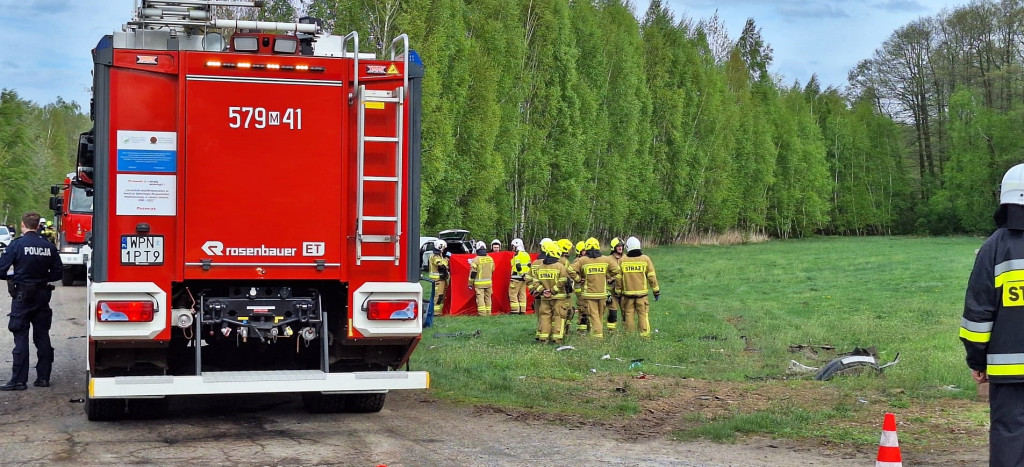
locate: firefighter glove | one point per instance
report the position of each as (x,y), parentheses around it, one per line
(657,295)
(608,300)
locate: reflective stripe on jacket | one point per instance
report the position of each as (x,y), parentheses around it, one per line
(595,274)
(483,266)
(549,277)
(437,262)
(522,260)
(992,326)
(638,276)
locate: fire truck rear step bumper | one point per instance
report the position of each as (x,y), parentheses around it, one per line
(252,382)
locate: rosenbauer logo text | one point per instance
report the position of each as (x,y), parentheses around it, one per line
(215,248)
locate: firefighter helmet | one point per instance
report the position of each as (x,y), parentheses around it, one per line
(544,244)
(615,242)
(1012,189)
(495,241)
(49,223)
(480,246)
(440,244)
(565,244)
(580,247)
(42,220)
(517,244)
(552,249)
(632,243)
(593,244)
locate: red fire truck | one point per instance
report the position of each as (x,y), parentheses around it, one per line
(255,193)
(72,212)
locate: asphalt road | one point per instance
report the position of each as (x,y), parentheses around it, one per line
(48,426)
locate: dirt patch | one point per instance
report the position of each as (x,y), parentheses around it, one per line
(932,432)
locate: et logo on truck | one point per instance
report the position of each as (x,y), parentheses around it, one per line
(215,248)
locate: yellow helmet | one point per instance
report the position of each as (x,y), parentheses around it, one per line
(565,244)
(615,242)
(544,244)
(551,249)
(580,246)
(593,244)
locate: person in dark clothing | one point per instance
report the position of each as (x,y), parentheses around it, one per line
(36,262)
(992,327)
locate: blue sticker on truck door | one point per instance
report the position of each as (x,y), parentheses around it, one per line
(147,151)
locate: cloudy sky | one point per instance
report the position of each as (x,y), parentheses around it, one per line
(47,42)
(826,37)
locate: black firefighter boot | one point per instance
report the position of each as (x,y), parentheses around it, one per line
(13,385)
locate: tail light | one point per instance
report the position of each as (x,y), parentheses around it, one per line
(392,310)
(137,312)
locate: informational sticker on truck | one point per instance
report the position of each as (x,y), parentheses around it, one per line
(146,195)
(142,250)
(147,151)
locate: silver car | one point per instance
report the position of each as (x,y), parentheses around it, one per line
(5,238)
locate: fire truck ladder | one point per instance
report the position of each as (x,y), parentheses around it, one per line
(397,97)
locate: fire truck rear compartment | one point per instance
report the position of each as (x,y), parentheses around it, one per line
(244,326)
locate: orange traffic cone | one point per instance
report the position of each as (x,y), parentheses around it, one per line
(889,446)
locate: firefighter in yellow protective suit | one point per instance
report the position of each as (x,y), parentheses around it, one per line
(438,272)
(596,273)
(548,285)
(637,278)
(578,307)
(481,268)
(614,297)
(565,245)
(530,277)
(517,285)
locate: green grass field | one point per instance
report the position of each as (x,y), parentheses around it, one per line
(727,318)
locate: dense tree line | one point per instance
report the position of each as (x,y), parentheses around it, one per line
(546,117)
(38,145)
(955,80)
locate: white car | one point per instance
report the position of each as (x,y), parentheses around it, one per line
(426,249)
(5,238)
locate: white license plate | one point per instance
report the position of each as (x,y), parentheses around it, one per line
(142,250)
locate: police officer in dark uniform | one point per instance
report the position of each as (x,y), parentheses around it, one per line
(36,263)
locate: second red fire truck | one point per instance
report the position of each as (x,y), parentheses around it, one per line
(72,212)
(255,189)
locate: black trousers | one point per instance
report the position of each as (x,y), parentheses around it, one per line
(31,309)
(1006,436)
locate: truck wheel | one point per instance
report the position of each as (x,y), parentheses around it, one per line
(100,410)
(68,277)
(316,402)
(365,403)
(147,409)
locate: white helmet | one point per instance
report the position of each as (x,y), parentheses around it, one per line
(42,220)
(496,241)
(1012,189)
(632,243)
(544,240)
(440,244)
(517,243)
(481,246)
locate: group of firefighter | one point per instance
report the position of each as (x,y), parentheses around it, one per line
(596,286)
